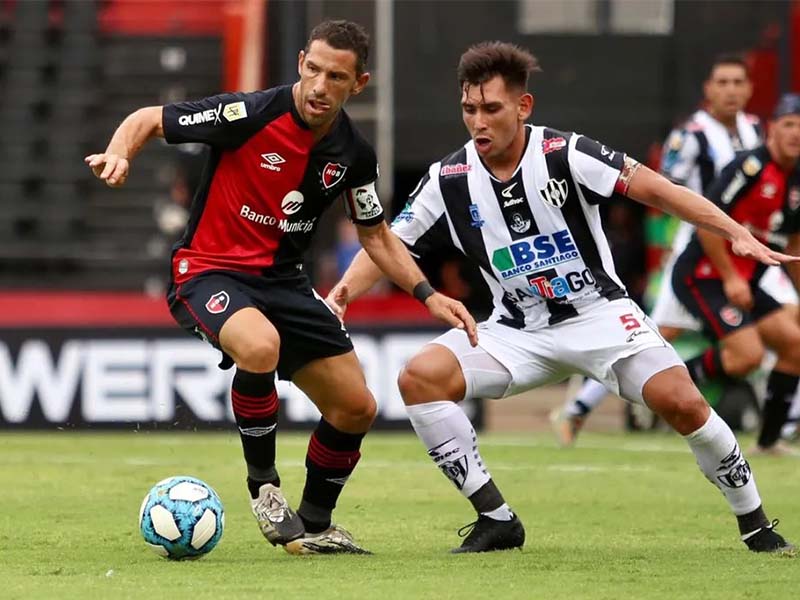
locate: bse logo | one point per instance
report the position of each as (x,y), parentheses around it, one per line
(535,253)
(271,160)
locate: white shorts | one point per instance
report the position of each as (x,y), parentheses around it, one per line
(777,284)
(590,344)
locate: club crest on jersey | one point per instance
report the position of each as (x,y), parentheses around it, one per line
(332,173)
(218,303)
(731,315)
(476,222)
(552,144)
(555,192)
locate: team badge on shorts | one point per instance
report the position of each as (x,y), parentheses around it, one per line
(332,173)
(731,315)
(218,303)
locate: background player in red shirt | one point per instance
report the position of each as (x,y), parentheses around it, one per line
(761,190)
(279,157)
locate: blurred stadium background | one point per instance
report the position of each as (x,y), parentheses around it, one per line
(85,337)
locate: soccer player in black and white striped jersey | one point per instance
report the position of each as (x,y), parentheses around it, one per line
(522,202)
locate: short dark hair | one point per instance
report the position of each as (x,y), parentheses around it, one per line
(343,35)
(483,61)
(728,59)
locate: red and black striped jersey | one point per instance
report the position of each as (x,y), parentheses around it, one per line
(266,182)
(756,192)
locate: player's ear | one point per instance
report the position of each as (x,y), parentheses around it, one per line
(301,57)
(360,84)
(525,108)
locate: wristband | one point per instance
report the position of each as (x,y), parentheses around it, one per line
(423,290)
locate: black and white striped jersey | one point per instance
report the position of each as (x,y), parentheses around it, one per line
(537,237)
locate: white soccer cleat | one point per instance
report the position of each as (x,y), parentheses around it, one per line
(334,540)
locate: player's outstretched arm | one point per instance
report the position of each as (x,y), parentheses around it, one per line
(650,188)
(360,277)
(392,257)
(112,166)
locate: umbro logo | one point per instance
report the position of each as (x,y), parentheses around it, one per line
(271,160)
(257,431)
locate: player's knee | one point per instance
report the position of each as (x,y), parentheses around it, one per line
(419,382)
(257,354)
(789,350)
(740,362)
(359,412)
(682,406)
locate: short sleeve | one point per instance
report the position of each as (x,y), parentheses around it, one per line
(594,165)
(362,206)
(225,121)
(679,156)
(735,181)
(422,224)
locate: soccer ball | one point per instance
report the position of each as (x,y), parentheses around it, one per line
(181,517)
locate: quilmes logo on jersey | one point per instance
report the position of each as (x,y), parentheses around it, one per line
(212,114)
(535,253)
(332,173)
(555,192)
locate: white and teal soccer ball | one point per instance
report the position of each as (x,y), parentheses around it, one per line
(181,517)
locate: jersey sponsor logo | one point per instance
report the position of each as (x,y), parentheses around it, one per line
(475,217)
(406,215)
(454,170)
(607,152)
(292,202)
(554,288)
(285,225)
(535,253)
(212,114)
(520,224)
(183,266)
(271,161)
(512,202)
(552,144)
(506,193)
(734,187)
(234,111)
(769,189)
(731,315)
(218,303)
(555,192)
(775,220)
(751,166)
(332,173)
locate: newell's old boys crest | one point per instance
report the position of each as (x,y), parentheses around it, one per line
(332,174)
(554,193)
(218,303)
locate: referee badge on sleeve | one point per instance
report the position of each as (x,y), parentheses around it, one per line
(555,192)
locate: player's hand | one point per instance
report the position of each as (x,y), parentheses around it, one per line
(738,292)
(453,313)
(338,299)
(111,168)
(745,245)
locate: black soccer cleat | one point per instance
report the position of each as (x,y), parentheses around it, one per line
(766,539)
(487,534)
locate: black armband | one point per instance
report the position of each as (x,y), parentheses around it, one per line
(423,290)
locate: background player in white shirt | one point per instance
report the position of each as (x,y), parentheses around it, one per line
(694,154)
(521,202)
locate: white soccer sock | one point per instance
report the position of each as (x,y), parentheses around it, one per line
(451,442)
(501,513)
(721,461)
(590,396)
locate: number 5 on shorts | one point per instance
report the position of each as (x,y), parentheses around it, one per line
(629,322)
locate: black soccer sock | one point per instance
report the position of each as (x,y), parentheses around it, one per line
(255,406)
(751,521)
(781,388)
(706,366)
(487,498)
(332,456)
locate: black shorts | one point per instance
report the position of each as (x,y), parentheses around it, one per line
(705,299)
(307,327)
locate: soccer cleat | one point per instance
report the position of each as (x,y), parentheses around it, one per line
(779,448)
(766,539)
(566,427)
(487,534)
(334,540)
(279,523)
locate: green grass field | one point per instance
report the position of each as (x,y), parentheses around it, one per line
(621,516)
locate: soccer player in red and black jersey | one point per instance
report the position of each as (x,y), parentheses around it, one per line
(278,159)
(761,190)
